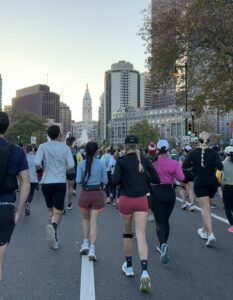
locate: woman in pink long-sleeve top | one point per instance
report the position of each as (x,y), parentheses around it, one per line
(163,198)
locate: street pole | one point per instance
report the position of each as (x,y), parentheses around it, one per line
(126,126)
(186,98)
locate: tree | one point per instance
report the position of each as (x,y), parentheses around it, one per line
(198,32)
(25,125)
(145,133)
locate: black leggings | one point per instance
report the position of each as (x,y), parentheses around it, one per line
(228,202)
(162,202)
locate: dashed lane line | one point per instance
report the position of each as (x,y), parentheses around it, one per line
(87,286)
(224,220)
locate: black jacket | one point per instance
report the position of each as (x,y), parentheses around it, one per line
(212,162)
(132,182)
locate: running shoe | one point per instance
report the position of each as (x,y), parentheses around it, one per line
(64,212)
(230,229)
(145,285)
(192,208)
(164,257)
(69,206)
(108,200)
(158,249)
(51,236)
(56,246)
(211,240)
(91,254)
(184,206)
(212,205)
(27,209)
(128,271)
(74,193)
(202,234)
(114,203)
(84,248)
(151,218)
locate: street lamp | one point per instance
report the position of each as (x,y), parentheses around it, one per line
(175,75)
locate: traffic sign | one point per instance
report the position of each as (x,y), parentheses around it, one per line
(33,140)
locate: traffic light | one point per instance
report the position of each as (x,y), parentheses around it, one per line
(189,128)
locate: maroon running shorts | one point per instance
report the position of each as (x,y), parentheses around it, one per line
(129,205)
(91,200)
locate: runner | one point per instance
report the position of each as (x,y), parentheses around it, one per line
(106,160)
(13,165)
(33,178)
(227,185)
(71,174)
(57,159)
(187,186)
(204,162)
(91,174)
(163,197)
(131,174)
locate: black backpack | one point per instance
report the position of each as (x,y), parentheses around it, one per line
(8,183)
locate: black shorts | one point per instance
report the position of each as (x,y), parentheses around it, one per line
(71,177)
(189,176)
(205,186)
(54,194)
(7,224)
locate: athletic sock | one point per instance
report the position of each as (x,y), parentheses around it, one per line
(55,228)
(144,265)
(129,261)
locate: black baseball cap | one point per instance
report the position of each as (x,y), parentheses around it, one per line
(131,139)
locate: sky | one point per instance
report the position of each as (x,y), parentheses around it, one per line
(73,41)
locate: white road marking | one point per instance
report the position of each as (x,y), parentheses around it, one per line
(213,215)
(87,285)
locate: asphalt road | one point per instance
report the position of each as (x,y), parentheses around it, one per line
(32,271)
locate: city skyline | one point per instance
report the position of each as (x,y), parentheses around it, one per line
(74,43)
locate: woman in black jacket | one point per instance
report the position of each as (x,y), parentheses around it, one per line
(134,173)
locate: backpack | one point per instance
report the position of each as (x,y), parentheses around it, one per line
(8,183)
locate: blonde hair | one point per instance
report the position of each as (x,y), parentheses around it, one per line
(133,148)
(204,139)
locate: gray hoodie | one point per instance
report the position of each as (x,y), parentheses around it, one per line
(227,172)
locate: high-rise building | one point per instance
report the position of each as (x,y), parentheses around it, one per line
(65,118)
(0,92)
(145,91)
(87,107)
(122,88)
(38,100)
(102,123)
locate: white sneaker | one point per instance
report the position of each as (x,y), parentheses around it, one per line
(151,218)
(91,254)
(202,234)
(51,236)
(56,246)
(84,248)
(211,240)
(192,208)
(108,200)
(69,206)
(128,271)
(184,206)
(145,285)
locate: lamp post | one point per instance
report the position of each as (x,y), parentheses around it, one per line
(185,67)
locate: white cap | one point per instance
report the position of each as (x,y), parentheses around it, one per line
(162,143)
(228,150)
(187,148)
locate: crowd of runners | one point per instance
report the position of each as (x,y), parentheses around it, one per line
(141,183)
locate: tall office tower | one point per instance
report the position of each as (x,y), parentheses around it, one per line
(145,91)
(38,100)
(65,117)
(166,97)
(0,92)
(87,107)
(121,88)
(101,120)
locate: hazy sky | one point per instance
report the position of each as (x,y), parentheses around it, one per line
(73,41)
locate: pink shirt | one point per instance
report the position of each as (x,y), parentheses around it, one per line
(168,170)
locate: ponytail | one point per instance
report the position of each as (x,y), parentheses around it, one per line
(91,149)
(140,166)
(204,139)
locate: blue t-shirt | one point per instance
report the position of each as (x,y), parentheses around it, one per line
(17,163)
